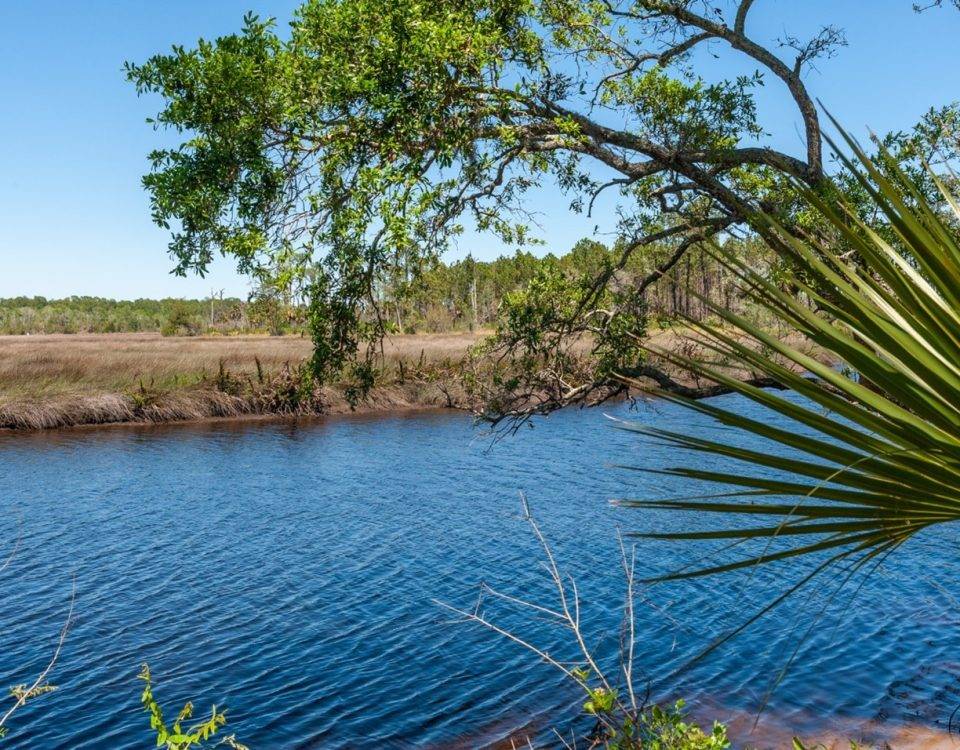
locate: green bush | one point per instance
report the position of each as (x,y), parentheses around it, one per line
(180,322)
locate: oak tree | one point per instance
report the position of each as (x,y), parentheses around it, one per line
(369,134)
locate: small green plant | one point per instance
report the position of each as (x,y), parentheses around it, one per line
(601,701)
(175,737)
(668,729)
(145,395)
(225,382)
(24,693)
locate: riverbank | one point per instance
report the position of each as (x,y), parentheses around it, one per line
(64,380)
(69,380)
(195,405)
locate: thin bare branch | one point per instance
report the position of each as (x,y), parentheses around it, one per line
(41,678)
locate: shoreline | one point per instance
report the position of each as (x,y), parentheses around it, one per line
(56,382)
(62,381)
(202,406)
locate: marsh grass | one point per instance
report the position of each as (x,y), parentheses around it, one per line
(93,364)
(61,380)
(65,380)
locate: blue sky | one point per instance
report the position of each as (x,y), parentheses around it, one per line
(73,142)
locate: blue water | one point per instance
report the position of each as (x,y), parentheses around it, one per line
(289,572)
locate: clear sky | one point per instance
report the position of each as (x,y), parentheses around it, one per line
(73,142)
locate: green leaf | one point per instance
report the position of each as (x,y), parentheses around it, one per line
(860,465)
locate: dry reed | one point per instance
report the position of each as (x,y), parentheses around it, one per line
(65,380)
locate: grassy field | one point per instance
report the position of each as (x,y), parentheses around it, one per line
(62,364)
(65,380)
(61,380)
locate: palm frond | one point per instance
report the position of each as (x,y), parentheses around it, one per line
(866,461)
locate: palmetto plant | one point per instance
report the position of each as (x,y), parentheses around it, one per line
(873,457)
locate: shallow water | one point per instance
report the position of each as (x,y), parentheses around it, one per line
(289,572)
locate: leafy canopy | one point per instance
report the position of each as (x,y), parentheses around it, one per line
(369,132)
(354,147)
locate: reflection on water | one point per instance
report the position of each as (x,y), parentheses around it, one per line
(288,571)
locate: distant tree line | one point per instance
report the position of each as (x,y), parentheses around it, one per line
(261,313)
(468,294)
(34,315)
(459,296)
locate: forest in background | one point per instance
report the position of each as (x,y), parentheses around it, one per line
(463,295)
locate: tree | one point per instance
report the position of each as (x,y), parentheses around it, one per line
(361,142)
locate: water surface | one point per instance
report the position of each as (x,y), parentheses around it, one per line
(289,572)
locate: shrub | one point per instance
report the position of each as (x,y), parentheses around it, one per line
(180,322)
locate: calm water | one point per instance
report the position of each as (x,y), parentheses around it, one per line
(289,572)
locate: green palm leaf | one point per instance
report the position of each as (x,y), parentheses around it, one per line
(871,460)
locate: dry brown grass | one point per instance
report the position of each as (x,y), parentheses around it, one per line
(94,364)
(64,380)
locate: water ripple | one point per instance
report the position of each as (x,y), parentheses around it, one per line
(289,573)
